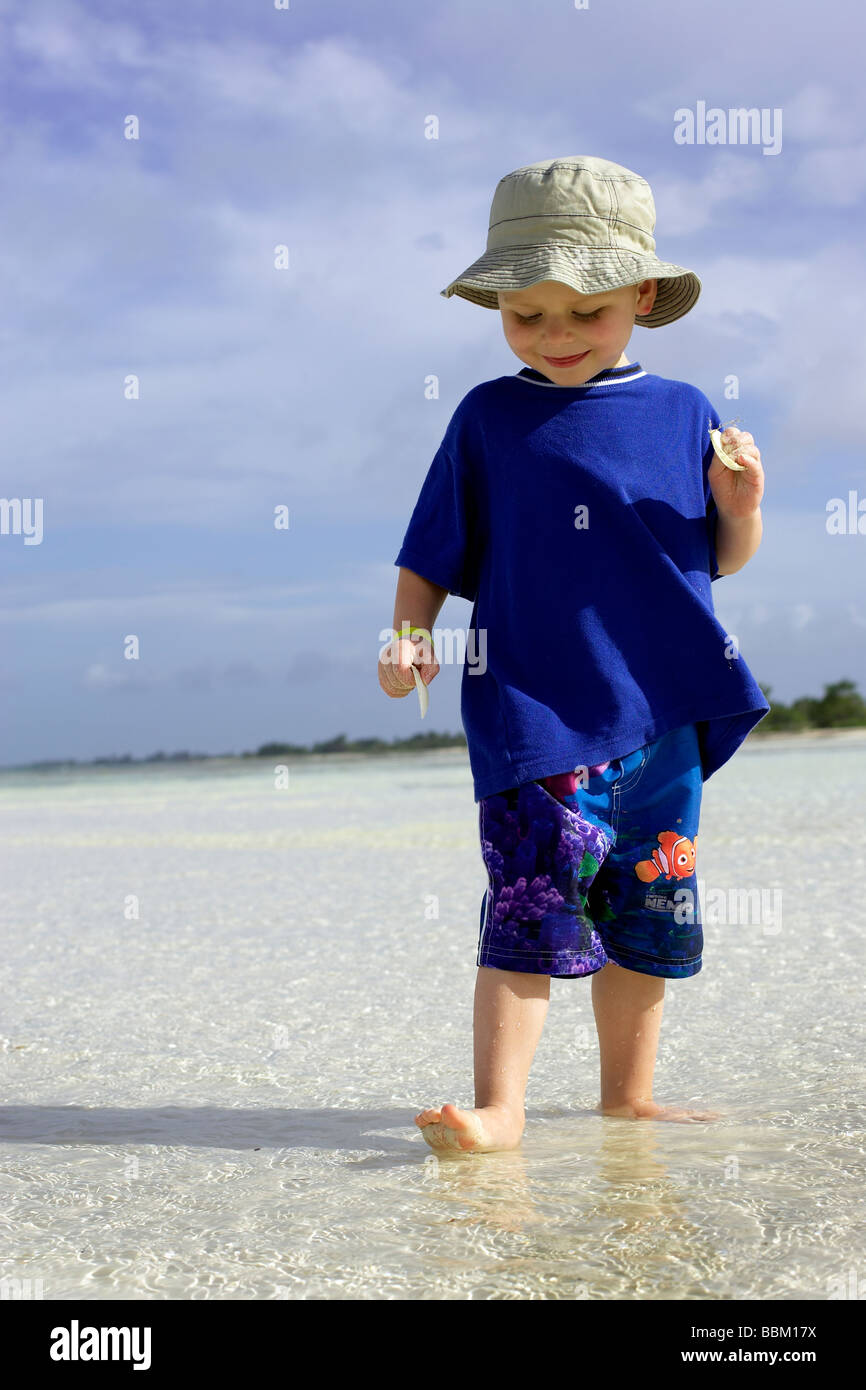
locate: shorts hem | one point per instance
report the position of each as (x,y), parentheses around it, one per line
(500,960)
(666,969)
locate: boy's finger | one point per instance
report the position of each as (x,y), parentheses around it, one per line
(402,677)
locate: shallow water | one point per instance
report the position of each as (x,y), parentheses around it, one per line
(224,1002)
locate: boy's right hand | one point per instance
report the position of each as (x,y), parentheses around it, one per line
(396,660)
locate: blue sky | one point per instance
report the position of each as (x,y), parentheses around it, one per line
(305,387)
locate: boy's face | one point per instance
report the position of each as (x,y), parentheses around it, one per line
(550,320)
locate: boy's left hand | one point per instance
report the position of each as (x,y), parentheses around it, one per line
(737,494)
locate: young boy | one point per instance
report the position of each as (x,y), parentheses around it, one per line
(580,507)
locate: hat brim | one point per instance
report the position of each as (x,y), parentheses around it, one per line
(592,271)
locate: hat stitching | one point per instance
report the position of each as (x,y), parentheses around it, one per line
(586,253)
(615,200)
(560,216)
(584,168)
(612,209)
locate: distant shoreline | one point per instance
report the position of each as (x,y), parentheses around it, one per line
(855,734)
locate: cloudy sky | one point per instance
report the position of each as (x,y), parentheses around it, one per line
(259,386)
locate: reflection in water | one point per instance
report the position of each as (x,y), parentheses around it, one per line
(616,1211)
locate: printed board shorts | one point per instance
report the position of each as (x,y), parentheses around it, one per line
(606,873)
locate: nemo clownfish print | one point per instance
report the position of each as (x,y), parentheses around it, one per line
(675,857)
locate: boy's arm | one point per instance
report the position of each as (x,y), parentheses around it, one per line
(738,497)
(417,603)
(417,600)
(737,539)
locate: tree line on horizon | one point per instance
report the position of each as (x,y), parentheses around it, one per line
(841,706)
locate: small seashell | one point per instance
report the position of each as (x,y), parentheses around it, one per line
(423,692)
(727,460)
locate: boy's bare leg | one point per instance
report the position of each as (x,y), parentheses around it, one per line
(628,1016)
(510,1009)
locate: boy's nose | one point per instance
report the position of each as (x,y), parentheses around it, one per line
(565,340)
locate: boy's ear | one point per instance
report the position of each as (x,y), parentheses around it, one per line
(647,289)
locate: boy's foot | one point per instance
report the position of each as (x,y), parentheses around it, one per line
(649,1110)
(485,1130)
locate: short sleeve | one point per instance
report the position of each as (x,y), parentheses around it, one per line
(712,512)
(443,539)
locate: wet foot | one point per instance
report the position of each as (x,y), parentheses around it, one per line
(485,1130)
(649,1110)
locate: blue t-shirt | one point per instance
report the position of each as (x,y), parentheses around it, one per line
(579,522)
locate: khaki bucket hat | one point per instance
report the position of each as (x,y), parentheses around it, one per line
(583,221)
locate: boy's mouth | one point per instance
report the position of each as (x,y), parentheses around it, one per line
(567,361)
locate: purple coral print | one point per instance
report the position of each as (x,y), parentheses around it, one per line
(541,858)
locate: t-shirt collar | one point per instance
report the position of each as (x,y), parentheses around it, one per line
(629,372)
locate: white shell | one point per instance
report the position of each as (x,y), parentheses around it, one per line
(716,437)
(423,693)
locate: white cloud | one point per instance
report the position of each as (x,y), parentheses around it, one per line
(66,45)
(101,677)
(835,176)
(685,205)
(195,605)
(817,112)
